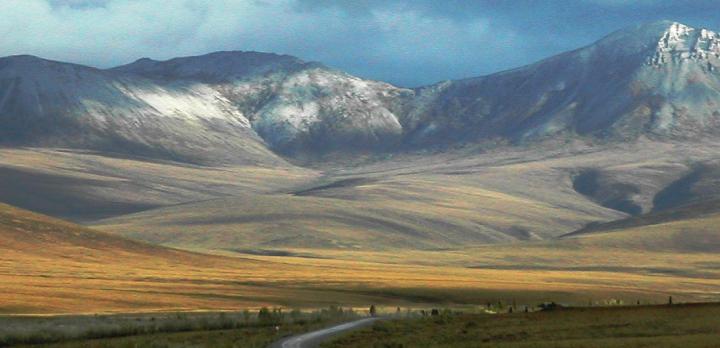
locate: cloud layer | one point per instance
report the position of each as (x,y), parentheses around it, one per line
(407,42)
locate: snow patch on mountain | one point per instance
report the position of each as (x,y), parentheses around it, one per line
(47,103)
(292,104)
(328,104)
(681,42)
(195,102)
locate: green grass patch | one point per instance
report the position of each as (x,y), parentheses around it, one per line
(683,326)
(224,329)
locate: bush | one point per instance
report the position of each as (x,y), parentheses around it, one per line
(381,327)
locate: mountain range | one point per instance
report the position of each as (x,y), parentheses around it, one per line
(240,179)
(247,150)
(658,80)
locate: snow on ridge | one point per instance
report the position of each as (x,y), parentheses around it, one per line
(97,96)
(681,42)
(318,95)
(196,103)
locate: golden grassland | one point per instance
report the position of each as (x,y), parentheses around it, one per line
(48,266)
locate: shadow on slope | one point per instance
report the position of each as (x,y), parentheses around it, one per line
(63,196)
(701,184)
(607,191)
(84,186)
(694,211)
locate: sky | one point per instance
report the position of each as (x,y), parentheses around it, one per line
(404,42)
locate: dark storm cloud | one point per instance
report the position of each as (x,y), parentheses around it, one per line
(401,41)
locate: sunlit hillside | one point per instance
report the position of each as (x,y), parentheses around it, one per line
(50,266)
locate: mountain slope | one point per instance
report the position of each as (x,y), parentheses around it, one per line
(297,107)
(52,104)
(658,79)
(224,107)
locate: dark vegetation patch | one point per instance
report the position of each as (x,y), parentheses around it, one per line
(344,183)
(617,269)
(519,232)
(274,252)
(452,296)
(256,328)
(264,252)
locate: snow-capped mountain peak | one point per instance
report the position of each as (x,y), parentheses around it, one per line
(656,79)
(681,42)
